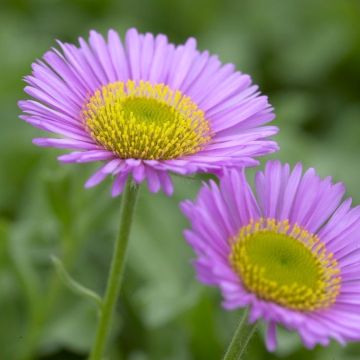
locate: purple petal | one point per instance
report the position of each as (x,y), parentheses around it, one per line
(271,338)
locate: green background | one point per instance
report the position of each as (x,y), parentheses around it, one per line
(304,54)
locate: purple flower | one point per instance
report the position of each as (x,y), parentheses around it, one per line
(290,252)
(146,107)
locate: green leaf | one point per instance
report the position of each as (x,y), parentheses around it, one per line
(72,284)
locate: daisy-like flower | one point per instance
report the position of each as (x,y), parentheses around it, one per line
(291,253)
(146,107)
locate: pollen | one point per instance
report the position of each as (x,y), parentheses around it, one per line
(145,121)
(285,264)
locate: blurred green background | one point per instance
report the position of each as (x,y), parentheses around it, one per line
(305,56)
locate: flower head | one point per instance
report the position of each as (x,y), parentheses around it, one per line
(146,108)
(290,252)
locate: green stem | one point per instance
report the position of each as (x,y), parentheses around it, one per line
(116,272)
(240,340)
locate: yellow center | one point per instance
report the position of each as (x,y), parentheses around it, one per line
(286,265)
(145,121)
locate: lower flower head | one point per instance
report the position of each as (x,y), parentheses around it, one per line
(145,108)
(285,264)
(290,251)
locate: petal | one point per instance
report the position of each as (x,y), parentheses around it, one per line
(271,338)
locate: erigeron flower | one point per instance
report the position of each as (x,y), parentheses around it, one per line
(145,107)
(290,251)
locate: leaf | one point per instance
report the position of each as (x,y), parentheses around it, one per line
(72,284)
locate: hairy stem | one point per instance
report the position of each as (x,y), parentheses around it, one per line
(240,340)
(116,272)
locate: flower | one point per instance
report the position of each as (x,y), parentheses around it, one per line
(146,108)
(291,253)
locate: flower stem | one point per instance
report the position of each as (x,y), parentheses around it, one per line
(240,340)
(116,272)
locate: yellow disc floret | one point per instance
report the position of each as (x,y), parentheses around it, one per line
(145,121)
(286,265)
